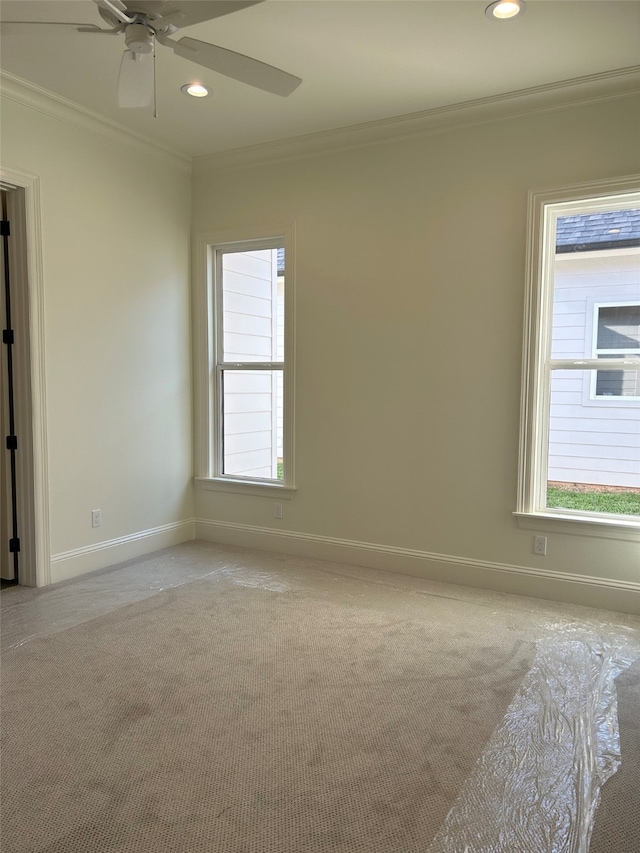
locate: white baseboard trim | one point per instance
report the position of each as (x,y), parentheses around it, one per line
(69,564)
(622,596)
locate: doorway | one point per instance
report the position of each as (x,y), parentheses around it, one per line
(9,535)
(24,528)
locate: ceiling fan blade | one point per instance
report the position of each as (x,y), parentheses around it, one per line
(236,65)
(135,82)
(85,28)
(192,11)
(117,8)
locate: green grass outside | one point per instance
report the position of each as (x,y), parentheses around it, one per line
(620,503)
(280,471)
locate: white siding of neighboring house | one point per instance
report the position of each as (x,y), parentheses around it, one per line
(250,322)
(594,441)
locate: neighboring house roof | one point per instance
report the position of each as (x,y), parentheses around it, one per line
(280,261)
(613,229)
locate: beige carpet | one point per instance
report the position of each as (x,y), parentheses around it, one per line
(617,823)
(266,712)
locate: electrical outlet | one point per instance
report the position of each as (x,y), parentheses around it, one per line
(540,545)
(96,517)
(277,510)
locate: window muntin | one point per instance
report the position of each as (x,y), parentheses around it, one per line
(569,433)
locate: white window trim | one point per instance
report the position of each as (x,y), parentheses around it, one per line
(531,512)
(205,330)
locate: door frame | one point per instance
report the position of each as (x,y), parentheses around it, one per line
(30,385)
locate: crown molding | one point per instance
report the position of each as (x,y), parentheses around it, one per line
(40,100)
(621,83)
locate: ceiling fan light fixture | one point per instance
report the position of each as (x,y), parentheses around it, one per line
(138,38)
(505,10)
(195,90)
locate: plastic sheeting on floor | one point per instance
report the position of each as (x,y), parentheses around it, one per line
(537,785)
(29,613)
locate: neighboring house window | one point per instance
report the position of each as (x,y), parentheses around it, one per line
(580,431)
(245,428)
(617,335)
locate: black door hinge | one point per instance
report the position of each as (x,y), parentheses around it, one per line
(12,442)
(8,336)
(5,228)
(14,546)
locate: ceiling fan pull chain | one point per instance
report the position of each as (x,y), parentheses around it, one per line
(155,88)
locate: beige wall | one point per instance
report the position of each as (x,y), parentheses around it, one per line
(410,260)
(115,231)
(410,290)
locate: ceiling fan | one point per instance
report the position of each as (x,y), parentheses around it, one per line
(147,22)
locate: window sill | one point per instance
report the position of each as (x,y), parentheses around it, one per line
(581,525)
(245,487)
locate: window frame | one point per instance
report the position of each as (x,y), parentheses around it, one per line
(544,208)
(207,308)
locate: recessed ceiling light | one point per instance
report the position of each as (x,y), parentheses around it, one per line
(195,90)
(504,10)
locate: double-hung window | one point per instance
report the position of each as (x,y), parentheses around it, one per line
(245,324)
(580,425)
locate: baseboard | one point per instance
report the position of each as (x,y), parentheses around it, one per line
(70,564)
(603,593)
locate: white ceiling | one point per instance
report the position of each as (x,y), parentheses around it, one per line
(360,60)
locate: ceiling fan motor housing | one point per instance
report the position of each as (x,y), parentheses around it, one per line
(139,38)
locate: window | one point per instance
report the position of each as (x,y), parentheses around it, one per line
(617,335)
(244,319)
(580,428)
